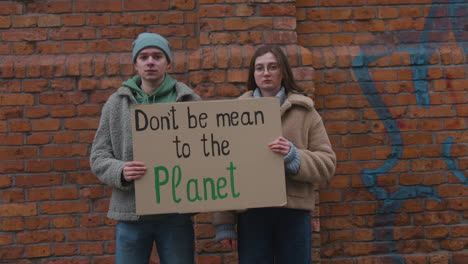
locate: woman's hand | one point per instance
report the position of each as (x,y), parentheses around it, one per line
(280,145)
(229,243)
(133,170)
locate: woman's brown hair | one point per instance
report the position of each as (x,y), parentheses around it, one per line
(287,77)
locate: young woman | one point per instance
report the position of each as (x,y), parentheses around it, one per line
(282,235)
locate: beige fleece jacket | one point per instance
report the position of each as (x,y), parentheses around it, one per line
(303,126)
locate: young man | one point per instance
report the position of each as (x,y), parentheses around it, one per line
(112,159)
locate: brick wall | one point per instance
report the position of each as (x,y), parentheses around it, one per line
(390,81)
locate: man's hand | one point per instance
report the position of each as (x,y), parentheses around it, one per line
(133,170)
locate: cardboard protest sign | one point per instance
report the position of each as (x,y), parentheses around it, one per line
(208,156)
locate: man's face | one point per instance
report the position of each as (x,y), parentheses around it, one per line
(151,64)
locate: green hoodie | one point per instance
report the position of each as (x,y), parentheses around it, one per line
(164,94)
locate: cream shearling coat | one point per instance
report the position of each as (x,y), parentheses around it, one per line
(303,126)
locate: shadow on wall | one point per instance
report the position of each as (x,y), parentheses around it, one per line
(420,54)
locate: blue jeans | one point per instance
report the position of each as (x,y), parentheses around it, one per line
(274,235)
(173,234)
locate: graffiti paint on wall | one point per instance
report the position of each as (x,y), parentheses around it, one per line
(420,53)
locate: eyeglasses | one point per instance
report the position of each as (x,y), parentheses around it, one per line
(272,68)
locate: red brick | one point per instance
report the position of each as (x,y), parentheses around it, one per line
(15,224)
(38,180)
(65,249)
(364,208)
(46,125)
(5,50)
(75,47)
(435,218)
(12,196)
(455,98)
(19,126)
(98,20)
(50,7)
(11,252)
(316,14)
(64,137)
(63,111)
(91,192)
(64,222)
(339,209)
(460,257)
(11,167)
(39,194)
(100,46)
(277,10)
(115,33)
(36,237)
(7,68)
(64,207)
(147,19)
(361,154)
(11,210)
(182,4)
(364,13)
(74,260)
(387,12)
(101,234)
(37,223)
(86,137)
(91,249)
(171,18)
(318,27)
(72,34)
(12,153)
(38,139)
(73,20)
(66,193)
(5,239)
(63,151)
(82,124)
(49,48)
(209,260)
(25,35)
(24,21)
(49,21)
(10,86)
(453,244)
(16,99)
(363,235)
(35,86)
(97,7)
(91,221)
(5,181)
(101,206)
(11,140)
(61,98)
(38,251)
(24,48)
(215,11)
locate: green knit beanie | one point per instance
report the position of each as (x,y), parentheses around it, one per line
(146,40)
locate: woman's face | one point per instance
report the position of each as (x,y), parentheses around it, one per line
(267,74)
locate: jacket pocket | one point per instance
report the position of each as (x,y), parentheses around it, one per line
(297,189)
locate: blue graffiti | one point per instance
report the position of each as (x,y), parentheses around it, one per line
(420,55)
(451,163)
